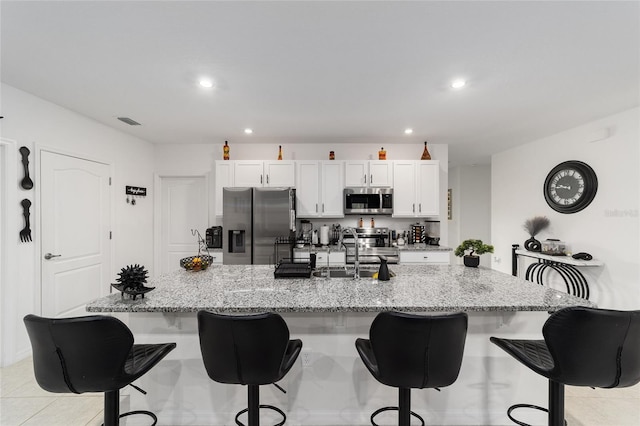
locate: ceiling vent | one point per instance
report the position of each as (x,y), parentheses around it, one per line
(129,121)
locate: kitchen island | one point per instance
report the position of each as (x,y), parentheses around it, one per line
(329,385)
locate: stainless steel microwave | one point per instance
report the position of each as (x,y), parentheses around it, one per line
(368,201)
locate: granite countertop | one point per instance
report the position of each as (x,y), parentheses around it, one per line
(415,288)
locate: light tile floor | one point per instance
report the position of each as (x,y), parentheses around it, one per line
(23,403)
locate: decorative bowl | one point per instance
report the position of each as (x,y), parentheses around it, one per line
(196,263)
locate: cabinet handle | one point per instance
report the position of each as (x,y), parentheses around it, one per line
(420,207)
(371,180)
(414,207)
(260,179)
(267,179)
(425,257)
(322,207)
(316,207)
(365,178)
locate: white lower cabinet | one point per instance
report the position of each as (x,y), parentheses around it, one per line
(425,257)
(337,258)
(217,258)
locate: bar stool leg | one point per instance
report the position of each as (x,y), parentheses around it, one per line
(556,403)
(404,406)
(253,412)
(112,408)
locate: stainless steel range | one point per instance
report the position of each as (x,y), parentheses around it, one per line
(372,242)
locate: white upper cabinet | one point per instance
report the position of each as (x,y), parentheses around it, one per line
(373,173)
(280,173)
(256,173)
(332,183)
(224,178)
(416,190)
(319,188)
(307,188)
(428,188)
(404,192)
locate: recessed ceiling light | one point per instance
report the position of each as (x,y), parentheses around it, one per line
(458,84)
(408,131)
(248,131)
(206,83)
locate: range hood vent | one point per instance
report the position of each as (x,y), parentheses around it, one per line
(129,121)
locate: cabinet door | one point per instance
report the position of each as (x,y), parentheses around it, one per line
(404,191)
(308,189)
(248,173)
(380,173)
(428,188)
(224,178)
(332,200)
(279,173)
(356,173)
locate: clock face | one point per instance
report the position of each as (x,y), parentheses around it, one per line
(570,187)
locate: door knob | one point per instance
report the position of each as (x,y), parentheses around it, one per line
(49,255)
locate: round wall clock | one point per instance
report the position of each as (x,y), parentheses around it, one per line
(570,186)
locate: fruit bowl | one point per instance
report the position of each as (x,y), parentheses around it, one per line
(196,263)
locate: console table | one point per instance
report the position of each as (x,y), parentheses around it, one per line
(565,266)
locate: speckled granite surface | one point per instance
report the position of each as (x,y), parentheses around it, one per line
(417,288)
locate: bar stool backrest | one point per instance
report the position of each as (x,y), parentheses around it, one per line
(76,355)
(417,351)
(243,349)
(594,347)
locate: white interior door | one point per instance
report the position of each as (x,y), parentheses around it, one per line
(75,226)
(184,207)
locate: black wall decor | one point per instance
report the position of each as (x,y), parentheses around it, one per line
(25,233)
(570,186)
(138,191)
(26,182)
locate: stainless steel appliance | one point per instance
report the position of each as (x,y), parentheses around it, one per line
(253,218)
(214,237)
(372,242)
(433,232)
(368,201)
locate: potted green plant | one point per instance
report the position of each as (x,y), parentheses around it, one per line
(475,248)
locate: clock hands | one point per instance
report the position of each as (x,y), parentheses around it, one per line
(563,187)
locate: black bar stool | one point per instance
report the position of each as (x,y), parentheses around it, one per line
(581,347)
(250,350)
(90,354)
(413,351)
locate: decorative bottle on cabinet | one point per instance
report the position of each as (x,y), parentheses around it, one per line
(425,153)
(382,154)
(225,151)
(279,152)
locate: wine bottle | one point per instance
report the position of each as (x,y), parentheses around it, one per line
(225,151)
(279,152)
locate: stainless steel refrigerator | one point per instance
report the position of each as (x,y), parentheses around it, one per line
(253,218)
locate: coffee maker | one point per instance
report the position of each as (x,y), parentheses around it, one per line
(432,229)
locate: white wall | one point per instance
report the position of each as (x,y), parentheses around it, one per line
(36,123)
(471,206)
(608,228)
(189,159)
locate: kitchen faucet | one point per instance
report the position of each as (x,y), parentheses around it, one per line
(356,263)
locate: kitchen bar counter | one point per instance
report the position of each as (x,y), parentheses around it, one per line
(415,288)
(332,386)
